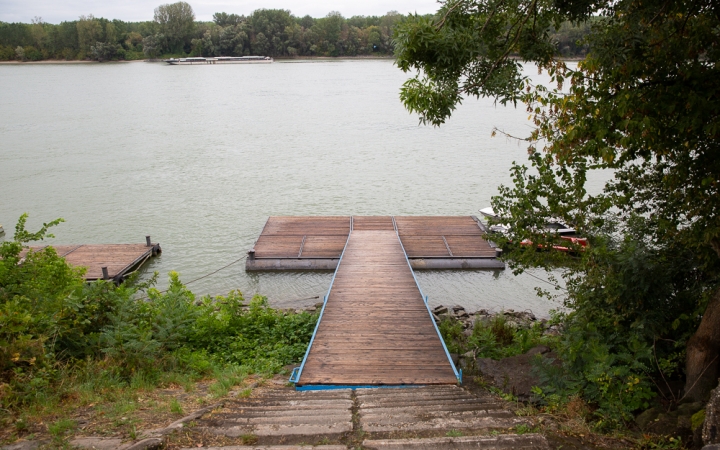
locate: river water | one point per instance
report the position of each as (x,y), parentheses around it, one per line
(199,156)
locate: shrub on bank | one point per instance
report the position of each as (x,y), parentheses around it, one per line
(54,324)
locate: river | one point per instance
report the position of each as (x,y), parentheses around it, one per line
(199,156)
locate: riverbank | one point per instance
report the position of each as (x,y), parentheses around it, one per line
(277,58)
(62,61)
(283,59)
(221,408)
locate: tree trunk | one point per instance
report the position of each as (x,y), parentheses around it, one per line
(703,354)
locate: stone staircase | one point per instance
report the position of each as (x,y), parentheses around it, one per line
(432,417)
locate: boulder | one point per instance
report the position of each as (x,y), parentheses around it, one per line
(440,310)
(455,358)
(711,428)
(466,360)
(647,416)
(514,374)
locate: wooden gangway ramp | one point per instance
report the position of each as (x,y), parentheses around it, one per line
(375,327)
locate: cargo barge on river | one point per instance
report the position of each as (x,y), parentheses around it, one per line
(219,60)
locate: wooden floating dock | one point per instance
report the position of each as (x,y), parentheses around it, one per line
(105,261)
(375,327)
(316,243)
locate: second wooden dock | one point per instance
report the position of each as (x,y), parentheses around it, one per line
(105,261)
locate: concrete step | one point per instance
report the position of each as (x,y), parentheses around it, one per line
(469,406)
(274,447)
(411,392)
(293,394)
(279,411)
(394,417)
(267,430)
(416,398)
(290,403)
(502,442)
(388,424)
(297,419)
(420,403)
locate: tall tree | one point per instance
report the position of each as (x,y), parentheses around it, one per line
(177,22)
(89,32)
(643,106)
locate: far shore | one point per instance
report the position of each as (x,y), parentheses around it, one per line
(277,59)
(281,58)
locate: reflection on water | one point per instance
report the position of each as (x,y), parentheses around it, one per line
(198,157)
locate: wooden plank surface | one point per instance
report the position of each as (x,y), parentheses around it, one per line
(437,226)
(283,237)
(368,223)
(118,258)
(375,329)
(303,225)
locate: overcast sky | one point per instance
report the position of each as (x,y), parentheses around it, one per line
(55,11)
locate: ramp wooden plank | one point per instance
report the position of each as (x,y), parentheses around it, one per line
(375,329)
(373,223)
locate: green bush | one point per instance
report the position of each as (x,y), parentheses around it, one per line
(493,338)
(33,54)
(53,325)
(7,53)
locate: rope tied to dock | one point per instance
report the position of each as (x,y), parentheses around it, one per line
(207,275)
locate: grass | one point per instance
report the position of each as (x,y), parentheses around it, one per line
(59,429)
(93,401)
(227,378)
(175,406)
(249,439)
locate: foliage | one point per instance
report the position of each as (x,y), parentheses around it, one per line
(641,111)
(492,338)
(273,32)
(53,323)
(176,21)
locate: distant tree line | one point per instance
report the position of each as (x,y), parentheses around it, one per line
(175,32)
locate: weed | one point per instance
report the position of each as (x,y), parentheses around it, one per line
(175,406)
(245,393)
(21,425)
(58,430)
(454,433)
(651,442)
(249,439)
(524,428)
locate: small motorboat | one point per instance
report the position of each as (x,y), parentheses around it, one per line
(554,226)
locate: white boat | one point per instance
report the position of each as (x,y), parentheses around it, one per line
(553,226)
(219,60)
(2,231)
